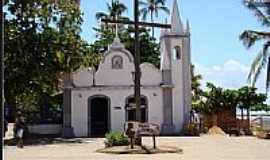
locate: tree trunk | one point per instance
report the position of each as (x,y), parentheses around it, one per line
(242,114)
(248,117)
(242,118)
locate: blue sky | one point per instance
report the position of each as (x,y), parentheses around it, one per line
(216,25)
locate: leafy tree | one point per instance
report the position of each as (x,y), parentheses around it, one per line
(149,49)
(216,99)
(151,7)
(250,37)
(42,41)
(249,99)
(195,85)
(261,107)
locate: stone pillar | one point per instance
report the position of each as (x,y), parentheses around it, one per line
(67,128)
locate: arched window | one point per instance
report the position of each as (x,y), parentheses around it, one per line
(117,62)
(131,109)
(176,53)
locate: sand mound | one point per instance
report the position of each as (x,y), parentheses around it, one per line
(215,130)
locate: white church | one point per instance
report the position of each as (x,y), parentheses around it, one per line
(100,101)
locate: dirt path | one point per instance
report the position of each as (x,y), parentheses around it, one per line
(194,148)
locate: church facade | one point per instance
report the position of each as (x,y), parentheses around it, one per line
(103,100)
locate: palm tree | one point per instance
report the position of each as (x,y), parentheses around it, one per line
(152,7)
(250,37)
(114,11)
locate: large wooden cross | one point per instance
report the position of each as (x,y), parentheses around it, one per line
(136,23)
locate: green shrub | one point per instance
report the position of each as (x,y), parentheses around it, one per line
(116,139)
(191,130)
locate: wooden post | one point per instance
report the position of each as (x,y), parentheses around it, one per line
(131,142)
(154,141)
(137,88)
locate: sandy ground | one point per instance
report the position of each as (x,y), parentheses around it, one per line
(194,148)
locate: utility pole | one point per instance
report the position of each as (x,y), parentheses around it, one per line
(2,69)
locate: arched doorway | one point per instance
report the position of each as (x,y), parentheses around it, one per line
(131,109)
(98,116)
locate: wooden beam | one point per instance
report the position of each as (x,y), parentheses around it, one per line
(160,25)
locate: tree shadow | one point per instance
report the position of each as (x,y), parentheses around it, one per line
(31,140)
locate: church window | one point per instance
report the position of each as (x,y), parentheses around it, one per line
(131,109)
(117,62)
(176,53)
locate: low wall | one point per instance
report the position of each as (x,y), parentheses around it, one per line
(45,128)
(266,124)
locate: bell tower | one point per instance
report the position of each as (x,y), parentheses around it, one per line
(175,67)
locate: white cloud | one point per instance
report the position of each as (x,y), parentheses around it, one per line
(231,74)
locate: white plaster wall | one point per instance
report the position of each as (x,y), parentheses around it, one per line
(79,114)
(150,74)
(187,77)
(83,77)
(118,99)
(108,76)
(266,123)
(177,80)
(155,104)
(178,100)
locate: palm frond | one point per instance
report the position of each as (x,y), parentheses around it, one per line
(258,72)
(142,3)
(115,8)
(251,4)
(165,9)
(250,37)
(162,2)
(144,12)
(268,75)
(262,63)
(110,6)
(121,8)
(156,12)
(100,15)
(254,65)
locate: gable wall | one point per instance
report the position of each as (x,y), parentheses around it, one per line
(108,76)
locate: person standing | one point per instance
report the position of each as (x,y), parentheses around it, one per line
(5,127)
(19,129)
